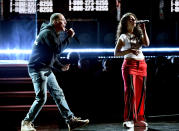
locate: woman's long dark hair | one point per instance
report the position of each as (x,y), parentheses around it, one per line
(122,27)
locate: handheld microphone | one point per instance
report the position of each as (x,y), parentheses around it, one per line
(75,37)
(142,21)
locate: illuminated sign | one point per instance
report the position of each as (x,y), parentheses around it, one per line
(88,5)
(72,9)
(31,6)
(174,5)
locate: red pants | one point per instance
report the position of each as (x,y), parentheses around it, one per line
(134,74)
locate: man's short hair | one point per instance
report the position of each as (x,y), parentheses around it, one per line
(54,17)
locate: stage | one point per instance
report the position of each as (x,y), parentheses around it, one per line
(101,100)
(153,126)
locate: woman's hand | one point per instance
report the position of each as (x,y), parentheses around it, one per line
(145,38)
(142,26)
(134,51)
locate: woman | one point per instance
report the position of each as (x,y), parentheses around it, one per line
(130,39)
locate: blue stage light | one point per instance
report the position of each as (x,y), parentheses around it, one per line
(15,51)
(105,50)
(91,50)
(166,49)
(14,56)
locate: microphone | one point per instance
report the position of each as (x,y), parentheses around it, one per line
(75,37)
(142,21)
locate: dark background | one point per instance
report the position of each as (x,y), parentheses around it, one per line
(90,91)
(94,29)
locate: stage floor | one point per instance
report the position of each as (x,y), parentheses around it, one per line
(153,126)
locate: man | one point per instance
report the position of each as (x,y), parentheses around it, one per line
(44,54)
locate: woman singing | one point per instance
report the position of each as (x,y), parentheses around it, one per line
(130,39)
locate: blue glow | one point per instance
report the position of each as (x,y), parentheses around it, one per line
(90,50)
(15,51)
(18,33)
(17,56)
(5,62)
(161,49)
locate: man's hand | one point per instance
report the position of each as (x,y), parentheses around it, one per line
(65,67)
(70,32)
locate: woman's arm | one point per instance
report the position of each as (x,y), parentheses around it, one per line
(118,52)
(145,38)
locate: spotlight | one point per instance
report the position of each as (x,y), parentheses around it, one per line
(91,50)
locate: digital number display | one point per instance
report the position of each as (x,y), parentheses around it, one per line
(174,5)
(72,9)
(88,5)
(23,6)
(31,6)
(45,6)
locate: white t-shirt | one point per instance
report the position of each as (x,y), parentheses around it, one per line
(131,42)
